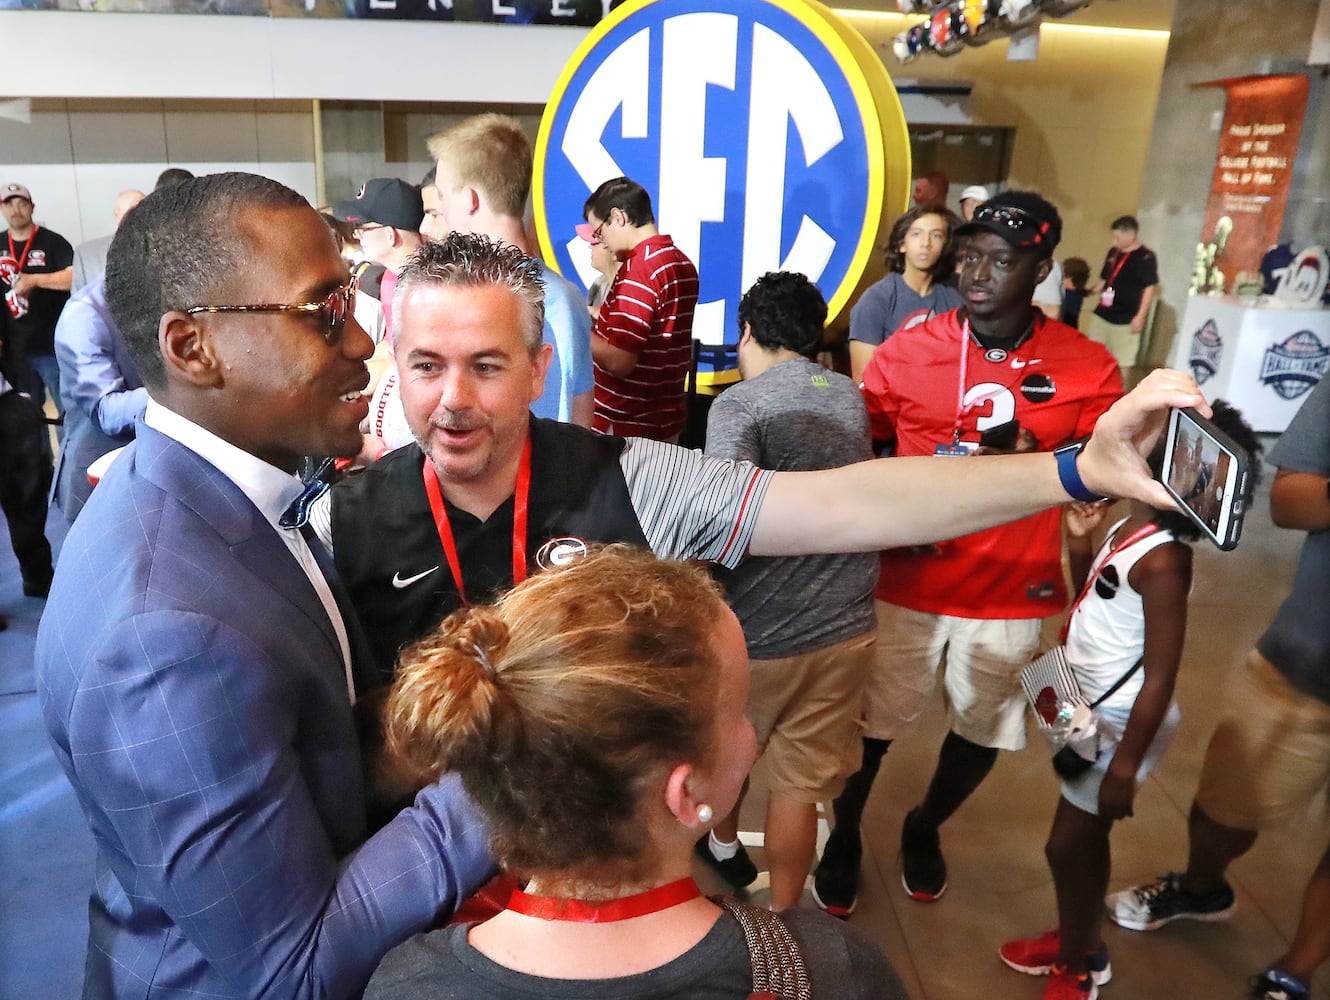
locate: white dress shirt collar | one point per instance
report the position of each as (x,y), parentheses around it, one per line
(269,488)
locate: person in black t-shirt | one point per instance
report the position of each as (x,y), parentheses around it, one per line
(1126,287)
(36,270)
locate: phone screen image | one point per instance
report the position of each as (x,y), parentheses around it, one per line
(1207,474)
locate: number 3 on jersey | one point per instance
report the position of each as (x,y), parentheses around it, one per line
(998,400)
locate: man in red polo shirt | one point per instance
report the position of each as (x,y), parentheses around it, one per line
(643,337)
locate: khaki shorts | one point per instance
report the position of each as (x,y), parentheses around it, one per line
(1270,753)
(1118,338)
(805,710)
(981,677)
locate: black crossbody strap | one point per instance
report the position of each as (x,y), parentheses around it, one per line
(1118,683)
(779,972)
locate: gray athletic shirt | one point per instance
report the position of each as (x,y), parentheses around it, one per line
(842,964)
(885,304)
(796,417)
(1298,640)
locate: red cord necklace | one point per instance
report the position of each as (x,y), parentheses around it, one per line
(520,505)
(581,912)
(22,259)
(1144,531)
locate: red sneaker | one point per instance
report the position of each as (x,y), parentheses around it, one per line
(1063,984)
(1036,957)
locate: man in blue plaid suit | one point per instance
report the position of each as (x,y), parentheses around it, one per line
(194,665)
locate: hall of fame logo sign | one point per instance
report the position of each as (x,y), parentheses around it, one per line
(1207,352)
(767,133)
(1293,367)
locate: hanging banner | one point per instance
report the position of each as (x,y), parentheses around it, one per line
(1257,147)
(766,131)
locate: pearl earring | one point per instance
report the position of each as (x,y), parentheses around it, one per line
(704,813)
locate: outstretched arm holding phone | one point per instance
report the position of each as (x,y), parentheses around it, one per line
(899,501)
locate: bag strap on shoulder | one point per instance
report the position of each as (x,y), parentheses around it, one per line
(779,972)
(1117,684)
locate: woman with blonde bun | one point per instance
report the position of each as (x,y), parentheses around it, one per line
(596,716)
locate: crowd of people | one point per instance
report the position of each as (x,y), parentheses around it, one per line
(416,591)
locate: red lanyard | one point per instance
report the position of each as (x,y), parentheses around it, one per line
(577,911)
(435,494)
(1117,268)
(961,408)
(1142,532)
(27,245)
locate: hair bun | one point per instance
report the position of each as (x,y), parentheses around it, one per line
(447,696)
(480,634)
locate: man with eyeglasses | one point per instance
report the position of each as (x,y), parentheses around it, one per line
(489,495)
(995,375)
(196,663)
(642,341)
(387,213)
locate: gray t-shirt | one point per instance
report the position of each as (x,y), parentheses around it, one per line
(885,304)
(1298,640)
(842,963)
(796,416)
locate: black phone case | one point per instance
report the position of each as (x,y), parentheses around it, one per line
(1240,498)
(1003,437)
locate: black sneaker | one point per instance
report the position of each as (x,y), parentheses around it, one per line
(738,871)
(923,869)
(1276,984)
(836,879)
(1150,906)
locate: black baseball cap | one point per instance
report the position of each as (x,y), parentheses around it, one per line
(386,201)
(1022,218)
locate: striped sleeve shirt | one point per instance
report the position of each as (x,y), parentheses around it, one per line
(649,312)
(690,505)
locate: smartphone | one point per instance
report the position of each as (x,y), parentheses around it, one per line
(1208,475)
(1003,437)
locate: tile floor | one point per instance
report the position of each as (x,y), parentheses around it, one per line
(999,888)
(999,884)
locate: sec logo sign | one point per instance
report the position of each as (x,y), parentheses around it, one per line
(768,134)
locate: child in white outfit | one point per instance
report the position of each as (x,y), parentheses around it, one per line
(1132,610)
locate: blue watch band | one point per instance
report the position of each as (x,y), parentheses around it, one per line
(1068,475)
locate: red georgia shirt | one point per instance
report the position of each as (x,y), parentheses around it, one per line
(1057,383)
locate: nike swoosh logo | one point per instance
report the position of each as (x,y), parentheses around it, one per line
(399,582)
(1017,363)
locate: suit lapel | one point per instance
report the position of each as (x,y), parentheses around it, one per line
(215,499)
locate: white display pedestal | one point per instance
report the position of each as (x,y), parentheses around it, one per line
(1262,360)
